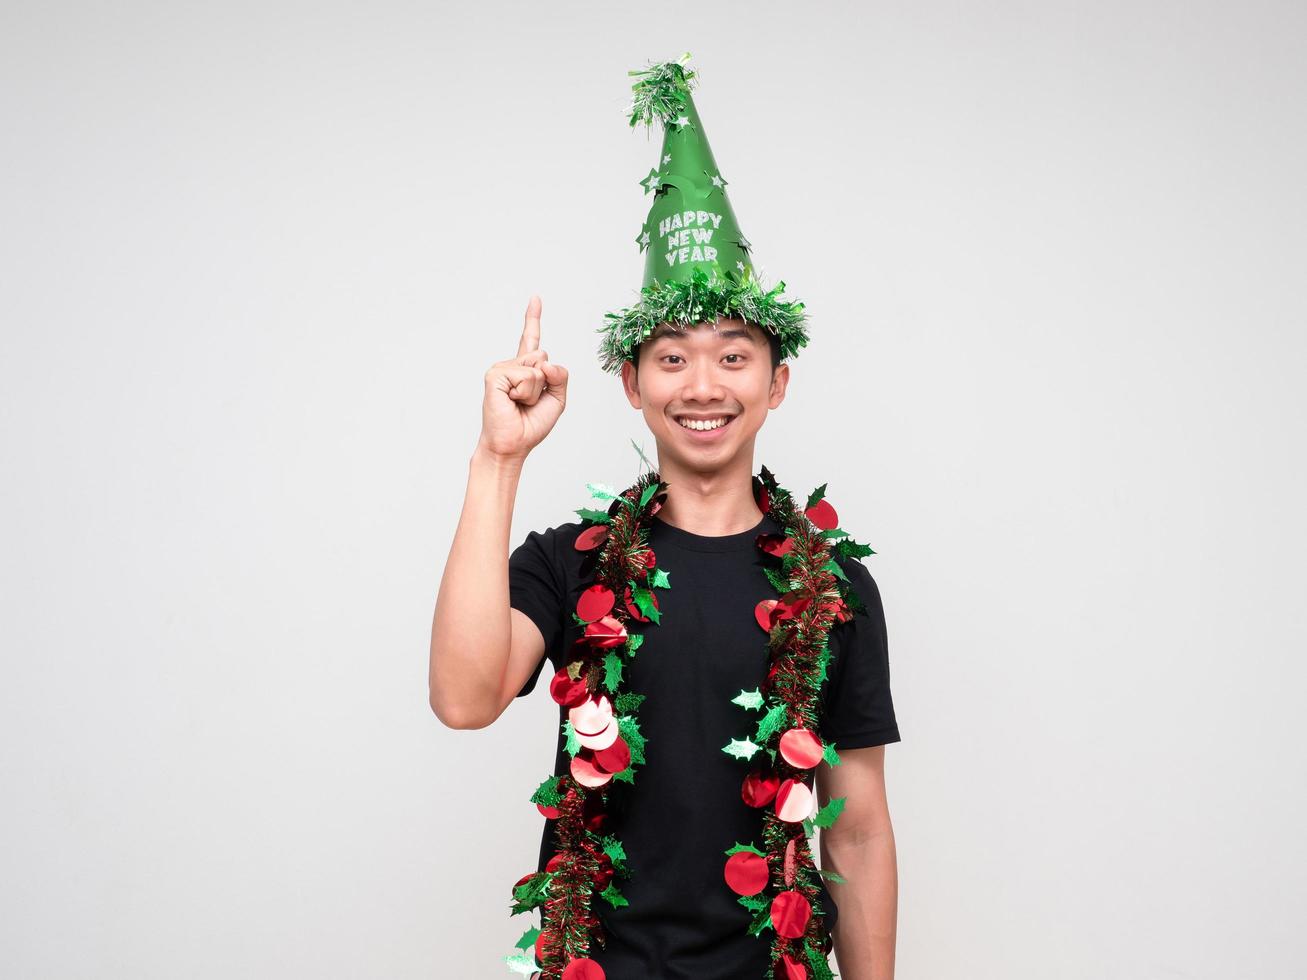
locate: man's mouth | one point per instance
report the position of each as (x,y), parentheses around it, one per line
(704,425)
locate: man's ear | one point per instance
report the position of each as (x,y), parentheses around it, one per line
(631,384)
(779,382)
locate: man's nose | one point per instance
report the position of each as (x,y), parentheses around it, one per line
(702,382)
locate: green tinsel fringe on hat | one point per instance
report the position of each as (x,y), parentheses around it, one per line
(701,299)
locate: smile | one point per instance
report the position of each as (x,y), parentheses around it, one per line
(702,427)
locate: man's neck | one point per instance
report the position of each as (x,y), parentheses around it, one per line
(709,503)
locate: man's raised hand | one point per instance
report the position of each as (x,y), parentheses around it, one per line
(524,395)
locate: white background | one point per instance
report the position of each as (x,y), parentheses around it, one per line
(255,259)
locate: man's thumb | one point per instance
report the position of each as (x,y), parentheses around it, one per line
(555,374)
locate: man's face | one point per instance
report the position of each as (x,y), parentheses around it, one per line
(701,375)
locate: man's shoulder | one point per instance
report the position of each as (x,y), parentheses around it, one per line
(556,543)
(866,593)
(560,534)
(856,572)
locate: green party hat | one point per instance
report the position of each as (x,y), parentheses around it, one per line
(698,265)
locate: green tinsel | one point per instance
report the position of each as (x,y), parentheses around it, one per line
(701,300)
(661,91)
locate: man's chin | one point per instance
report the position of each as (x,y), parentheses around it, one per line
(710,457)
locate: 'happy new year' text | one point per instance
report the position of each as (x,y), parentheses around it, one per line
(688,238)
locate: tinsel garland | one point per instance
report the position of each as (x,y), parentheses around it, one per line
(777,883)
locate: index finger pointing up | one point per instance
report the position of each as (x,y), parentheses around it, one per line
(531,329)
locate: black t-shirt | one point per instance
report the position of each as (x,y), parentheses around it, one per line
(684,809)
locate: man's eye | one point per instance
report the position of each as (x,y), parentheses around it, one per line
(738,357)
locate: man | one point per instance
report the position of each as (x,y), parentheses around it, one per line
(705,389)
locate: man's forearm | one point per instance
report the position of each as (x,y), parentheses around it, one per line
(471,629)
(868,903)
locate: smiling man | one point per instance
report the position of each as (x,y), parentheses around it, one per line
(718,651)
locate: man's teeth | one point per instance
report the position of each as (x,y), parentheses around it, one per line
(704,425)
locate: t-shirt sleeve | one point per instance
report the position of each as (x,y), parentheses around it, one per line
(859,708)
(535,587)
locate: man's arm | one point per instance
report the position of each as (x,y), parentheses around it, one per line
(860,848)
(482,650)
(473,630)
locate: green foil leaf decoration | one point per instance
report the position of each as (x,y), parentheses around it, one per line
(740,748)
(612,671)
(749,699)
(613,896)
(523,963)
(770,723)
(828,814)
(573,741)
(546,793)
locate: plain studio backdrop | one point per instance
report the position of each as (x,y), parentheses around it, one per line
(256,259)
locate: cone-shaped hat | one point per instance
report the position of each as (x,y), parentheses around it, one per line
(698,265)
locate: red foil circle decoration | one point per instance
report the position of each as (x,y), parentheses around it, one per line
(602,740)
(759,788)
(746,873)
(595,603)
(591,538)
(801,748)
(776,545)
(591,716)
(615,758)
(583,969)
(555,862)
(585,772)
(762,612)
(793,969)
(567,692)
(793,801)
(796,604)
(823,515)
(606,632)
(790,913)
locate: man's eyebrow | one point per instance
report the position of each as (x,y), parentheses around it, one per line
(735,332)
(729,333)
